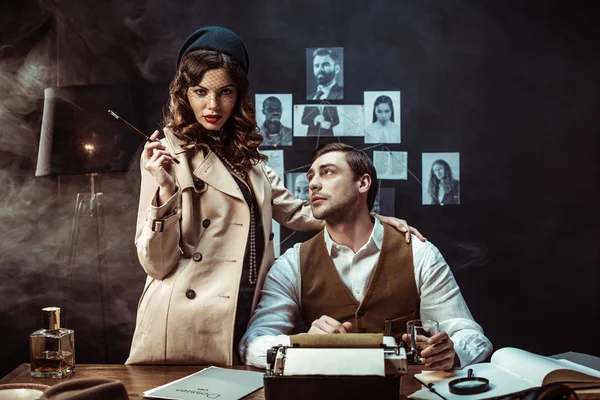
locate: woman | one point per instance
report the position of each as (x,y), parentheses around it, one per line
(383,129)
(443,189)
(204,224)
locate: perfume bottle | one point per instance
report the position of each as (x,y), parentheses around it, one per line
(52,348)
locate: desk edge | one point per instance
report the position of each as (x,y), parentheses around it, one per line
(14,374)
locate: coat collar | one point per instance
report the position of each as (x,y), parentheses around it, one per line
(210,170)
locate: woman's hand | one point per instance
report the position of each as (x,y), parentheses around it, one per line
(402,226)
(159,162)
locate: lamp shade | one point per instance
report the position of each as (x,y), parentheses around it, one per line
(78,135)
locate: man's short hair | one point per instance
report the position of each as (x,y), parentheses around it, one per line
(271,99)
(326,52)
(358,160)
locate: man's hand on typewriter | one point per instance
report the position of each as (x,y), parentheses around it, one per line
(327,324)
(439,353)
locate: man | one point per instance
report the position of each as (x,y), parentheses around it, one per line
(326,67)
(320,120)
(301,187)
(358,276)
(274,132)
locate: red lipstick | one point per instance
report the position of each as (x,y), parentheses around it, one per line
(212,118)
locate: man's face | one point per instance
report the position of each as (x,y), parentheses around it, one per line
(439,171)
(334,191)
(324,69)
(272,110)
(301,188)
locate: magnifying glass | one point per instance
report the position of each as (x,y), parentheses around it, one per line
(469,385)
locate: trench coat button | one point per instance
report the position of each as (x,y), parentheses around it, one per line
(271,236)
(206,223)
(199,184)
(190,294)
(363,330)
(197,257)
(360,312)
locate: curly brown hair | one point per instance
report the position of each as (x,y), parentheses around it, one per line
(240,139)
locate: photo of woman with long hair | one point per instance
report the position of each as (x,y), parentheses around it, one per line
(384,128)
(443,188)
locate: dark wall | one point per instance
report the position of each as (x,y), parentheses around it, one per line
(513,87)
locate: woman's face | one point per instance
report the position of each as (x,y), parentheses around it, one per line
(439,171)
(213,99)
(383,112)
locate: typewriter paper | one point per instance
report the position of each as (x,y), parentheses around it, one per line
(334,362)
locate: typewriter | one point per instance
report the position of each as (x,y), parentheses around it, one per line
(349,366)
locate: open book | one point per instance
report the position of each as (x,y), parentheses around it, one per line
(511,371)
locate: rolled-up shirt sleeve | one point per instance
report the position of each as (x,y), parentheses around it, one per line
(277,311)
(441,300)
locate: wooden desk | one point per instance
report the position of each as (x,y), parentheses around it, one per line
(139,378)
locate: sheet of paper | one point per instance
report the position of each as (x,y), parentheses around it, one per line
(391,164)
(334,362)
(501,382)
(275,161)
(210,383)
(424,394)
(351,120)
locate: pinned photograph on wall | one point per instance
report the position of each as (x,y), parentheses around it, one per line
(275,161)
(297,183)
(441,178)
(391,164)
(277,237)
(351,121)
(325,73)
(385,201)
(274,118)
(316,120)
(382,117)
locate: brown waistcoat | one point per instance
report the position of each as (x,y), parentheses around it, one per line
(391,294)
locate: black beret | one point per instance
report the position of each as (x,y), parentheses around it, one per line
(216,38)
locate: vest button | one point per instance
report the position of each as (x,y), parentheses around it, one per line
(190,294)
(271,236)
(360,312)
(363,330)
(197,257)
(206,223)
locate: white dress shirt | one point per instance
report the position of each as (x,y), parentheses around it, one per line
(441,300)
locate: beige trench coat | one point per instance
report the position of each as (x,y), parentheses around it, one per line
(192,249)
